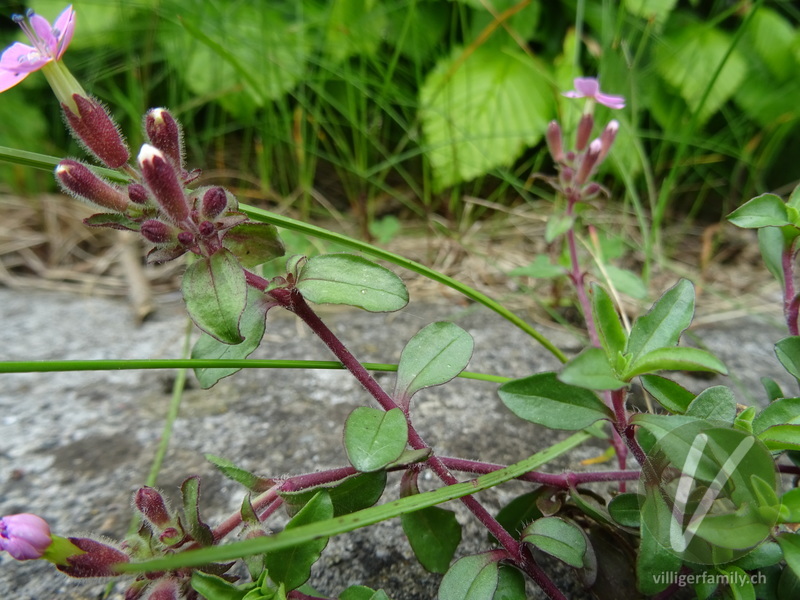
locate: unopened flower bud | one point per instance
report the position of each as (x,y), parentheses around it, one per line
(588,163)
(585,127)
(96,130)
(157,232)
(607,139)
(170,536)
(164,133)
(555,142)
(24,536)
(162,179)
(206,228)
(166,589)
(97,560)
(186,238)
(78,179)
(138,193)
(149,501)
(215,201)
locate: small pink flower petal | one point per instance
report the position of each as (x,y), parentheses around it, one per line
(63,28)
(24,536)
(615,102)
(16,64)
(587,86)
(44,31)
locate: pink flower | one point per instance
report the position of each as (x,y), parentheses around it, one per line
(588,87)
(24,536)
(49,43)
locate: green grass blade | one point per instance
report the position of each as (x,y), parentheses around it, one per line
(356,520)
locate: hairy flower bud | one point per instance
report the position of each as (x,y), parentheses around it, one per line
(138,193)
(206,228)
(588,163)
(166,589)
(78,179)
(97,560)
(149,501)
(96,130)
(607,139)
(164,133)
(24,536)
(186,238)
(555,142)
(162,179)
(157,232)
(215,201)
(585,127)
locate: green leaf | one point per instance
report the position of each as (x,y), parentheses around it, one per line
(540,268)
(609,327)
(510,584)
(557,225)
(479,110)
(791,501)
(347,495)
(214,587)
(434,534)
(557,537)
(471,578)
(252,482)
(666,321)
(190,490)
(626,281)
(788,352)
(716,403)
(591,370)
(735,530)
(435,355)
(292,566)
(520,511)
(353,280)
(772,389)
(781,437)
(783,411)
(624,509)
(112,221)
(544,400)
(215,292)
(766,210)
(790,544)
(672,396)
(688,60)
(353,27)
(361,592)
(772,241)
(764,555)
(656,567)
(650,10)
(675,359)
(740,585)
(251,325)
(253,243)
(373,438)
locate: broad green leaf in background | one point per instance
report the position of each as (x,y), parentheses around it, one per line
(292,566)
(783,411)
(663,325)
(766,210)
(626,281)
(352,280)
(434,534)
(788,352)
(215,293)
(523,22)
(687,59)
(590,369)
(417,29)
(651,10)
(435,355)
(609,327)
(354,27)
(373,438)
(557,537)
(253,243)
(773,38)
(479,111)
(251,325)
(672,396)
(544,400)
(540,268)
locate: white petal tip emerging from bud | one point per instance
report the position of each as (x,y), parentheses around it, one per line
(148,153)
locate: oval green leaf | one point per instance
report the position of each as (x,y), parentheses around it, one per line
(672,396)
(374,438)
(676,358)
(663,325)
(434,534)
(766,210)
(788,352)
(435,355)
(544,400)
(352,280)
(471,578)
(591,370)
(624,509)
(557,537)
(215,293)
(253,243)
